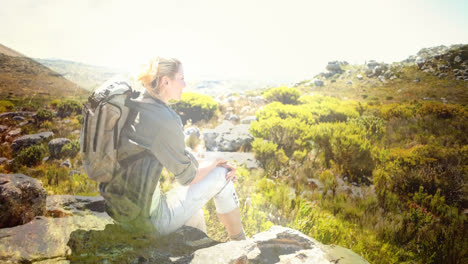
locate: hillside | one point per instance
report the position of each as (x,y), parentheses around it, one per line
(7,51)
(23,77)
(85,75)
(436,74)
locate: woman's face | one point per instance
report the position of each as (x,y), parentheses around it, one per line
(175,86)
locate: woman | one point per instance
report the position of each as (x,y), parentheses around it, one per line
(152,139)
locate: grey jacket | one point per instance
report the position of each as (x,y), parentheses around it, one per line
(151,139)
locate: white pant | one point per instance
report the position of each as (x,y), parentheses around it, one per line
(180,204)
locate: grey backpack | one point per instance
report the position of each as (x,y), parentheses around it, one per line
(103,118)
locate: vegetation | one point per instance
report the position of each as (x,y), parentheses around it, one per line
(282,94)
(195,107)
(370,166)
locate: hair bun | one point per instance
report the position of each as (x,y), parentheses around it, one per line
(150,74)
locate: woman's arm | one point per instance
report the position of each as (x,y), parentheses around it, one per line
(219,162)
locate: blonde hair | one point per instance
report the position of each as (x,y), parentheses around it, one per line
(151,76)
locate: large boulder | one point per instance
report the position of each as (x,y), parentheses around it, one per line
(56,145)
(334,67)
(235,139)
(22,198)
(248,119)
(277,245)
(227,137)
(76,229)
(29,140)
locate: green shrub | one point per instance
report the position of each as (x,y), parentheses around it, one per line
(195,107)
(30,156)
(282,94)
(44,115)
(346,146)
(69,107)
(289,134)
(329,109)
(329,182)
(372,125)
(285,111)
(71,149)
(268,154)
(440,110)
(6,106)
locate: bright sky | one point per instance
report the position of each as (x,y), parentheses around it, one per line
(241,39)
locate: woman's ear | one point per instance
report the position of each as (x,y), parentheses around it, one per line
(164,80)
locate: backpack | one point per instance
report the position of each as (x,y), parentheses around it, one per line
(103,118)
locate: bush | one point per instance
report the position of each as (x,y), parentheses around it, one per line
(6,106)
(196,107)
(289,134)
(277,109)
(44,115)
(30,156)
(71,149)
(282,94)
(329,109)
(69,107)
(444,111)
(268,154)
(346,146)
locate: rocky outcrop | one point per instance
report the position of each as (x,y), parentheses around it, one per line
(29,140)
(22,198)
(277,245)
(76,229)
(56,145)
(227,137)
(443,61)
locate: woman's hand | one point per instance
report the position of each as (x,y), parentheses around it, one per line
(231,175)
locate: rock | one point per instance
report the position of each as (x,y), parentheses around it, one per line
(230,109)
(227,137)
(235,138)
(248,119)
(29,140)
(359,76)
(377,71)
(192,131)
(420,62)
(14,132)
(246,109)
(23,123)
(388,74)
(18,118)
(349,82)
(318,82)
(77,229)
(56,145)
(443,75)
(417,80)
(3,160)
(257,99)
(334,67)
(372,64)
(22,198)
(210,136)
(12,114)
(457,59)
(3,128)
(277,245)
(66,163)
(234,118)
(47,236)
